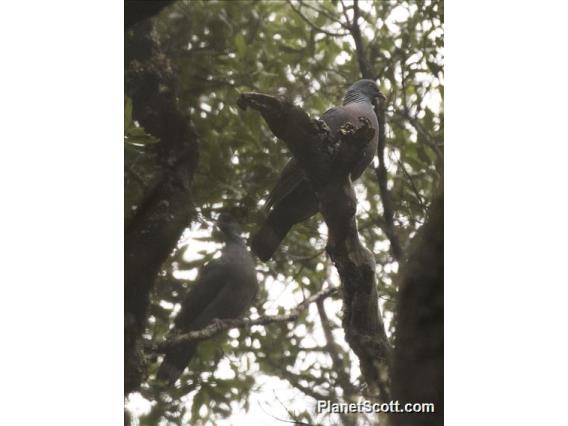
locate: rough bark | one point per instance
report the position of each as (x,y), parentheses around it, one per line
(138,10)
(327,164)
(418,374)
(152,233)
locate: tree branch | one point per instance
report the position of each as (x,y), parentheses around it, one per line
(418,373)
(312,25)
(355,30)
(327,164)
(412,185)
(220,326)
(295,381)
(333,18)
(138,10)
(332,349)
(154,229)
(381,173)
(344,11)
(426,136)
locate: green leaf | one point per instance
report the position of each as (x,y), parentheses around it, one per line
(240,44)
(127,112)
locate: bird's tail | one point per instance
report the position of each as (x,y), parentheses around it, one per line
(265,242)
(175,362)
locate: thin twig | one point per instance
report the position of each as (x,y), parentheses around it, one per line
(413,186)
(344,11)
(137,178)
(309,257)
(381,173)
(292,378)
(219,326)
(311,24)
(332,347)
(335,19)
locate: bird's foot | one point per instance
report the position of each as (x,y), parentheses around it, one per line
(322,126)
(218,323)
(347,129)
(365,122)
(364,132)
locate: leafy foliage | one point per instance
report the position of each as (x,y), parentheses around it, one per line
(219,50)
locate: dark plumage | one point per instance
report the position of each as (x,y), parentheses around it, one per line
(292,200)
(225,289)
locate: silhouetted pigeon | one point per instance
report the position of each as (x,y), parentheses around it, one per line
(292,199)
(224,289)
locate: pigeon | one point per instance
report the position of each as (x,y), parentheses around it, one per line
(292,200)
(225,288)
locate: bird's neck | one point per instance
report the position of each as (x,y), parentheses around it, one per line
(234,239)
(354,96)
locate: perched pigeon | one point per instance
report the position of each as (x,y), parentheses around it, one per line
(225,289)
(292,200)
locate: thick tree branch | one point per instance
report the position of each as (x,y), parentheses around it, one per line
(327,164)
(139,10)
(418,373)
(220,326)
(152,233)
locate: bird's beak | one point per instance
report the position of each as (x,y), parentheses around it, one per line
(378,98)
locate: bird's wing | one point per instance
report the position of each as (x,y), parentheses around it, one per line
(292,175)
(212,279)
(351,112)
(230,302)
(335,118)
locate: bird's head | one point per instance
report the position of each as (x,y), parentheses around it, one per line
(363,89)
(229,227)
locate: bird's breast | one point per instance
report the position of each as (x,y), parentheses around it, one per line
(335,118)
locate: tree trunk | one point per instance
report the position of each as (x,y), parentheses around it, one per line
(418,374)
